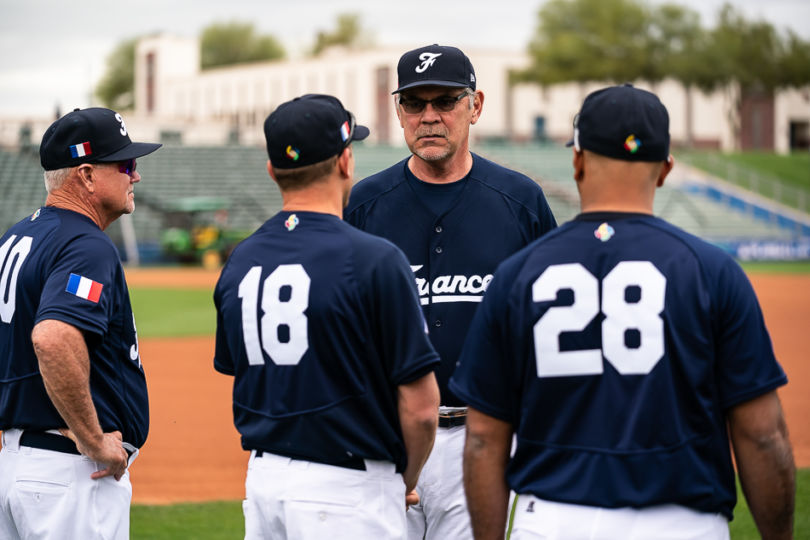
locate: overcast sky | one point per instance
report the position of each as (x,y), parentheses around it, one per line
(52,52)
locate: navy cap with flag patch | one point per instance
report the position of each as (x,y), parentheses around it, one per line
(308,130)
(623,122)
(435,65)
(93,135)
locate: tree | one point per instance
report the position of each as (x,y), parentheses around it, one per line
(236,43)
(348,32)
(588,40)
(221,44)
(116,89)
(677,44)
(794,70)
(624,40)
(751,51)
(750,57)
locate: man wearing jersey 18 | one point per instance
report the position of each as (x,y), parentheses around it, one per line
(73,401)
(626,355)
(319,323)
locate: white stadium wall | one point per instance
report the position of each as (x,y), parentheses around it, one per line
(791,107)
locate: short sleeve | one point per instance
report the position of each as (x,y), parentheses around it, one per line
(546,217)
(401,328)
(79,288)
(483,376)
(223,361)
(747,366)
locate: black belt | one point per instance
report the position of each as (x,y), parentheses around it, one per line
(51,441)
(355,463)
(452,421)
(48,441)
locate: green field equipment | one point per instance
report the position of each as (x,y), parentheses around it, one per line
(196,231)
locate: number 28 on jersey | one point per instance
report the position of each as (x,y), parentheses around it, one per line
(620,316)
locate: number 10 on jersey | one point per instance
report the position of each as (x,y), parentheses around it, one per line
(283,299)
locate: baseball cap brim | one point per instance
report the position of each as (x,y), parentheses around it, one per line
(130,151)
(430,83)
(360,133)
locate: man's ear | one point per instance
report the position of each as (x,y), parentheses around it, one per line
(579,165)
(271,171)
(346,162)
(478,106)
(87,177)
(665,170)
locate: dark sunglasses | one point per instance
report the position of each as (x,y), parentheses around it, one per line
(412,105)
(127,167)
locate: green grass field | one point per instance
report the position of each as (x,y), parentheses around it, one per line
(223,520)
(772,267)
(208,521)
(793,171)
(161,312)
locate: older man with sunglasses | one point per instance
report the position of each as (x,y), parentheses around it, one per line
(73,400)
(456,216)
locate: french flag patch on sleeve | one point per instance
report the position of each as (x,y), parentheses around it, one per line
(84,287)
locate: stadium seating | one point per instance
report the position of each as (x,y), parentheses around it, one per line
(677,201)
(237,175)
(22,189)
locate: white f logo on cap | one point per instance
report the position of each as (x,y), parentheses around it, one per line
(427,59)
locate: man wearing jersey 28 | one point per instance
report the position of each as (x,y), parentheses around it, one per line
(456,216)
(73,401)
(624,353)
(334,392)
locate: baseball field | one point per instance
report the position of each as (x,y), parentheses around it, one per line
(189,478)
(193,453)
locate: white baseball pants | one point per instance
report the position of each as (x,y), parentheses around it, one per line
(289,499)
(536,518)
(47,495)
(442,510)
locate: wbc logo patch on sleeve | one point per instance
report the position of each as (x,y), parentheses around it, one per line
(84,287)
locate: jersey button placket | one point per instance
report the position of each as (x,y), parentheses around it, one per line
(438,228)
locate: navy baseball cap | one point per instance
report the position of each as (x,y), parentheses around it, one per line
(94,135)
(308,130)
(435,65)
(623,122)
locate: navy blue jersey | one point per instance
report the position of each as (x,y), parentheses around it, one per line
(615,346)
(58,265)
(452,255)
(319,323)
